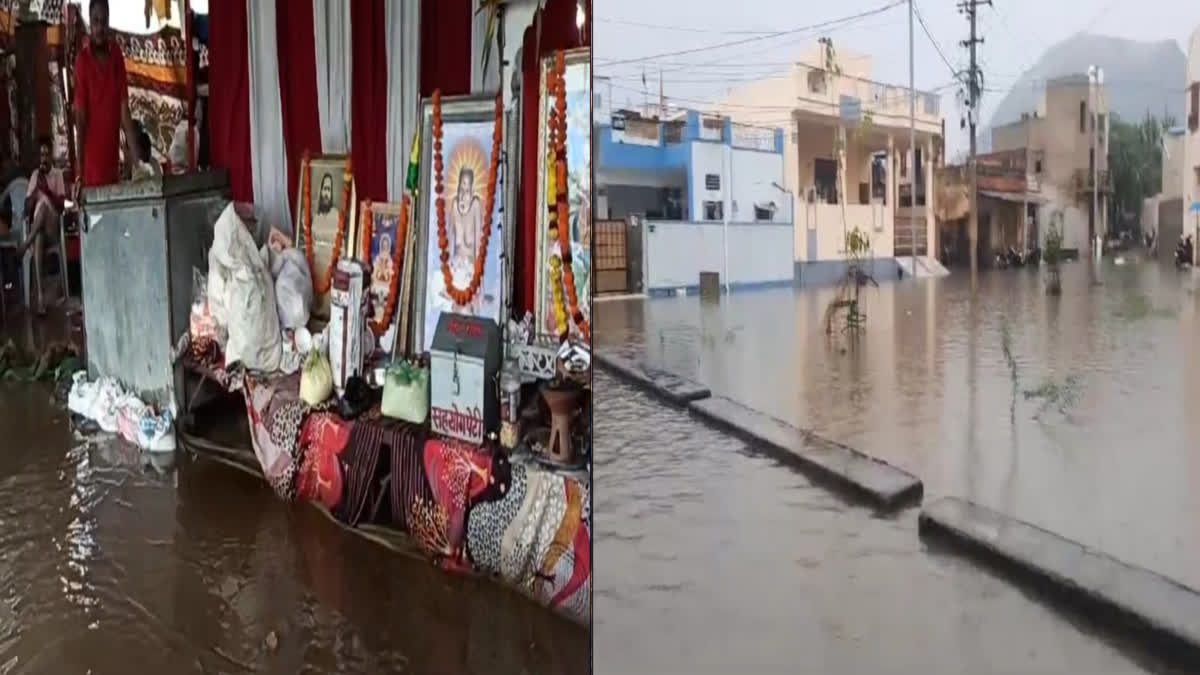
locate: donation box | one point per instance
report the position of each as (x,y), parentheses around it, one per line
(464,361)
(141,240)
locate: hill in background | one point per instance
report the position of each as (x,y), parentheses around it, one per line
(1139,77)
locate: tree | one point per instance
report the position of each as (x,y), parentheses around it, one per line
(1135,164)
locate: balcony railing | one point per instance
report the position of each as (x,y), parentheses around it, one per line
(1085,181)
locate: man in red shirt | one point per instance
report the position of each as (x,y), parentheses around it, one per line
(101,104)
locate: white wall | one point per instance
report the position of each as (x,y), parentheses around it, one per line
(706,158)
(755,176)
(876,220)
(676,253)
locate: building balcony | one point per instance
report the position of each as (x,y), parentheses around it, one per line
(1085,181)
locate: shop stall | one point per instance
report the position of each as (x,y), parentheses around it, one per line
(417,356)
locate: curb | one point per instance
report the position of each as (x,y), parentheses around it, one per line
(875,481)
(1156,609)
(671,388)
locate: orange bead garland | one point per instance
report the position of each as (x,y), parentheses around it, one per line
(556,86)
(321,285)
(463,296)
(380,327)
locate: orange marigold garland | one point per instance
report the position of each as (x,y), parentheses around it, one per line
(322,283)
(380,327)
(556,86)
(463,296)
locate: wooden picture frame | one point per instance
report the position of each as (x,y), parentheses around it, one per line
(324,226)
(579,179)
(467,121)
(386,217)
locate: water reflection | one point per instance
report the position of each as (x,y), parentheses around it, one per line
(928,386)
(107,560)
(718,560)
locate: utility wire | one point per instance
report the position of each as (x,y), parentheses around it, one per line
(920,19)
(788,108)
(793,31)
(684,29)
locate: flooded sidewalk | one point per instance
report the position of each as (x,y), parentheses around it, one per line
(186,566)
(1066,412)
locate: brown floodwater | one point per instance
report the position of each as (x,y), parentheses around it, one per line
(112,563)
(715,558)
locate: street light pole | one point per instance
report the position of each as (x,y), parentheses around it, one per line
(912,144)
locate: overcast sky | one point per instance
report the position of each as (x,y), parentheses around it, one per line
(1017,32)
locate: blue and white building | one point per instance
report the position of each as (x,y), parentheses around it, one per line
(688,194)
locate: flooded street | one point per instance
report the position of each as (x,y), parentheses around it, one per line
(717,557)
(106,562)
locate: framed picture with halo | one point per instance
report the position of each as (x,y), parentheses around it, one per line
(467,126)
(380,260)
(326,203)
(578,78)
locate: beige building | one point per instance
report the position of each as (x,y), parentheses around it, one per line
(1191,161)
(1066,141)
(1162,214)
(882,191)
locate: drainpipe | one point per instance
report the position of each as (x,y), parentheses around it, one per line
(727,171)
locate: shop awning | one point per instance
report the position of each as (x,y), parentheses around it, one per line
(1017,197)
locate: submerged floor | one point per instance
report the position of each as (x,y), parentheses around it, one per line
(194,567)
(718,558)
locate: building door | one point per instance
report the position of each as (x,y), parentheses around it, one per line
(811,231)
(611,265)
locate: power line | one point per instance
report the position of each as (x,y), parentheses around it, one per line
(683,29)
(722,45)
(920,19)
(884,100)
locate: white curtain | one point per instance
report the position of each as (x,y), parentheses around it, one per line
(403,18)
(270,160)
(331,27)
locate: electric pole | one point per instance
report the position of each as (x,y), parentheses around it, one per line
(974,90)
(912,147)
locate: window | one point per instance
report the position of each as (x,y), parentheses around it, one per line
(712,181)
(1194,112)
(903,164)
(1101,139)
(1083,117)
(825,178)
(764,213)
(1037,166)
(714,211)
(816,81)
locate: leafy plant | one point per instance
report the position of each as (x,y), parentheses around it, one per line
(1062,395)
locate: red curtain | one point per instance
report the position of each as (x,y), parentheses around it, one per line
(297,46)
(446,46)
(558,32)
(228,115)
(368,110)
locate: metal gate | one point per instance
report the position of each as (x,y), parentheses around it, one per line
(612,257)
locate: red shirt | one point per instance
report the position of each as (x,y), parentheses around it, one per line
(101,89)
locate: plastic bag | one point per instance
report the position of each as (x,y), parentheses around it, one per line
(241,296)
(203,324)
(293,286)
(316,379)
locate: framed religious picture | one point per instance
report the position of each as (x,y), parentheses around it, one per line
(384,246)
(578,145)
(326,206)
(470,239)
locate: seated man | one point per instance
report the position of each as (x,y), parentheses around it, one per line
(43,205)
(146,167)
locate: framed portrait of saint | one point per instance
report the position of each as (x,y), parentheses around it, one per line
(327,201)
(578,78)
(468,123)
(388,260)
